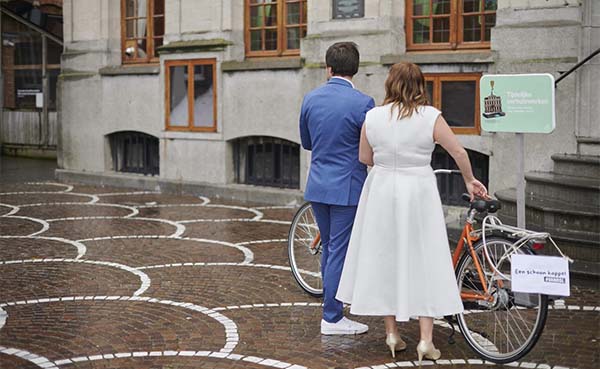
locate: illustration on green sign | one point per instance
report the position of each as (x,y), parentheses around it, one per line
(520,103)
(493,104)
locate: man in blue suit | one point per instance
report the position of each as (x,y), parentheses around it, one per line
(330,123)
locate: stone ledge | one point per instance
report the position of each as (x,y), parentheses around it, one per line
(262,64)
(124,70)
(216,44)
(73,75)
(451,57)
(237,192)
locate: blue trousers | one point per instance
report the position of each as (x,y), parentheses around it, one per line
(335,224)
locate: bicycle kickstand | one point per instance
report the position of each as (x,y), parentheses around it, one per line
(449,319)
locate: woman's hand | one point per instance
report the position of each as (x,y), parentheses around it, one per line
(476,188)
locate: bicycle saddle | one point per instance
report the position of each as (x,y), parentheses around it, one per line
(490,206)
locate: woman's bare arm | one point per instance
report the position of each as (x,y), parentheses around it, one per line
(365,151)
(443,135)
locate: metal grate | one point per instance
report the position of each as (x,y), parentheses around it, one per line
(267,161)
(134,152)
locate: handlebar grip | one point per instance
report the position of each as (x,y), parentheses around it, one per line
(466,197)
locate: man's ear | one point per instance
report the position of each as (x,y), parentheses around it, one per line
(329,72)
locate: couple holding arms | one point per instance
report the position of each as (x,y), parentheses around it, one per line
(384,241)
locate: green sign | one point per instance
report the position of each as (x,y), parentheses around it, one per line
(520,103)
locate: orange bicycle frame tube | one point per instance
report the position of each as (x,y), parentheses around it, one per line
(466,235)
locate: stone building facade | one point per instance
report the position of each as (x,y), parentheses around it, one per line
(209,91)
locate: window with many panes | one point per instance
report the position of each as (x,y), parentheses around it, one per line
(449,24)
(274,27)
(142,30)
(457,96)
(191,95)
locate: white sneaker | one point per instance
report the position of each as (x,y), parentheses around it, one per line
(343,326)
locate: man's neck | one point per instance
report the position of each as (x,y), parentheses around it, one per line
(349,79)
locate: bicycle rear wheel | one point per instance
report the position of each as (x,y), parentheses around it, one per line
(304,251)
(507,327)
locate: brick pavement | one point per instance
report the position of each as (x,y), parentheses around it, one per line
(143,280)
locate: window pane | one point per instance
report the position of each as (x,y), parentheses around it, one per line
(130,29)
(256,16)
(470,6)
(54,52)
(159,7)
(458,103)
(141,29)
(293,13)
(421,7)
(178,114)
(421,31)
(130,8)
(441,6)
(491,4)
(270,15)
(490,21)
(142,46)
(158,42)
(271,39)
(159,26)
(429,86)
(142,9)
(293,38)
(256,40)
(203,96)
(441,29)
(472,28)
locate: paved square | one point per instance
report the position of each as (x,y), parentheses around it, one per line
(96,277)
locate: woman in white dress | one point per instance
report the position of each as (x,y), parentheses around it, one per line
(398,263)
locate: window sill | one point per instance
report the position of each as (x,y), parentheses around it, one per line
(192,136)
(177,47)
(446,57)
(262,64)
(124,70)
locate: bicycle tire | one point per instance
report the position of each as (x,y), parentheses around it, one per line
(470,336)
(297,249)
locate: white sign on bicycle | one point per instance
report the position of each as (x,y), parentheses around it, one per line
(548,275)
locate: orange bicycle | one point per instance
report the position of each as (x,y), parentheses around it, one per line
(499,324)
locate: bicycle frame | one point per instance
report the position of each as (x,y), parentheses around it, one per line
(469,237)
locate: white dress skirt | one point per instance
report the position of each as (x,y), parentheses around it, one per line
(398,261)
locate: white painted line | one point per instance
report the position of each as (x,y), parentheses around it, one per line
(81,249)
(129,193)
(13,209)
(144,279)
(37,360)
(3,316)
(45,225)
(231,331)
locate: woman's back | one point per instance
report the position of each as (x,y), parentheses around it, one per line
(401,143)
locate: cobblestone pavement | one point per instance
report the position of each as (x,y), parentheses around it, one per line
(96,277)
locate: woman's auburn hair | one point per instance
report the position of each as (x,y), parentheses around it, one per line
(405,89)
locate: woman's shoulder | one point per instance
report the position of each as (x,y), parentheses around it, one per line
(428,110)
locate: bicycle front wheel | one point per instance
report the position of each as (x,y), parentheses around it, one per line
(508,325)
(304,251)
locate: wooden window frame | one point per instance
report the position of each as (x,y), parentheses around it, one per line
(438,78)
(190,63)
(282,26)
(150,37)
(455,41)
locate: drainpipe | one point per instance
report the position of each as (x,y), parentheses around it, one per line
(45,94)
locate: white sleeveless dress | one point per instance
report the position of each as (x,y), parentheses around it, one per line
(398,260)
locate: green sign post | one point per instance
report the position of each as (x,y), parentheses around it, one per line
(518,103)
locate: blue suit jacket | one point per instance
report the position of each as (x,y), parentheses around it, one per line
(330,122)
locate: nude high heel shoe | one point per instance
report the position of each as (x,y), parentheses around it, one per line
(394,342)
(428,351)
